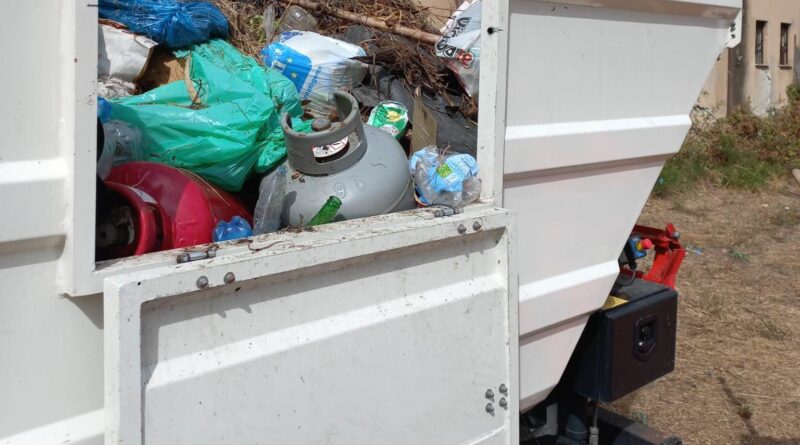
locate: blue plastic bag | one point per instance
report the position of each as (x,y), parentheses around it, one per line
(176,24)
(103,109)
(237,228)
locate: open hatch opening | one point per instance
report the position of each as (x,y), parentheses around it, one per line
(282,117)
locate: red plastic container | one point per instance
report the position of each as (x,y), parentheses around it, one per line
(170,208)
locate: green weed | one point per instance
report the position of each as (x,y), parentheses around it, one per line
(769,330)
(739,256)
(741,150)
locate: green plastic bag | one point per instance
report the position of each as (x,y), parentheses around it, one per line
(223,130)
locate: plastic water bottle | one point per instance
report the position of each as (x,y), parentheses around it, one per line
(295,18)
(327,212)
(237,228)
(271,194)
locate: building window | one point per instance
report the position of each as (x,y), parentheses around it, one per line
(785,44)
(761,29)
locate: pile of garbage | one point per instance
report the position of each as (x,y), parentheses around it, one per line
(221,120)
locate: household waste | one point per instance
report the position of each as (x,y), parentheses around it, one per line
(172,92)
(391,117)
(317,65)
(175,23)
(121,60)
(221,122)
(237,228)
(444,178)
(460,45)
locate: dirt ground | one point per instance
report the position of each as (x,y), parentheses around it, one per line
(737,376)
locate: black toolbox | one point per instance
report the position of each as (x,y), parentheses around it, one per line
(627,345)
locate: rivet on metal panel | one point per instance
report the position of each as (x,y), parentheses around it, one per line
(489,408)
(503,389)
(202,282)
(229,278)
(462,229)
(503,402)
(476,226)
(490,394)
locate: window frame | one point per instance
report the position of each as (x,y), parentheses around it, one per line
(760,43)
(784,57)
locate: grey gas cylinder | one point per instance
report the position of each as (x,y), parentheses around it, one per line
(363,166)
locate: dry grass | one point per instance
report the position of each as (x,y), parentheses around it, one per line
(737,377)
(246,20)
(413,62)
(394,12)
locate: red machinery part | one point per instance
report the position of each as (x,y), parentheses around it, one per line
(172,208)
(669,254)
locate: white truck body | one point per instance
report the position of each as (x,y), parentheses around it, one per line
(388,329)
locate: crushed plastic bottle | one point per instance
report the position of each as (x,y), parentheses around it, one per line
(294,18)
(271,195)
(237,228)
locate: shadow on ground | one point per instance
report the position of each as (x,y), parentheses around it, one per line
(753,437)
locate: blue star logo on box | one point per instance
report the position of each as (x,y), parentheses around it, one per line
(290,63)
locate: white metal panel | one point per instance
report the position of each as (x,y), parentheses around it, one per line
(598,97)
(51,365)
(380,334)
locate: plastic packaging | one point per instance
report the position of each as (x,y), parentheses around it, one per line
(111,88)
(445,179)
(269,22)
(391,117)
(317,65)
(460,45)
(176,24)
(235,229)
(271,195)
(123,143)
(221,125)
(103,109)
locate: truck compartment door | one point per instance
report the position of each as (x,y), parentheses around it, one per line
(395,329)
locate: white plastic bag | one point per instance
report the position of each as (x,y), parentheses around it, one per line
(317,65)
(122,54)
(460,45)
(121,59)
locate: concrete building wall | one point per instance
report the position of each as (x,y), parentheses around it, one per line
(737,80)
(713,99)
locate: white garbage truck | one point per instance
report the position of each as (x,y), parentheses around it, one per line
(407,328)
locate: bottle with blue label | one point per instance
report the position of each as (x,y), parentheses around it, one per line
(237,228)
